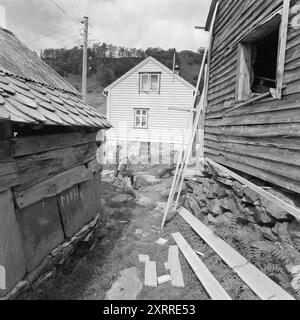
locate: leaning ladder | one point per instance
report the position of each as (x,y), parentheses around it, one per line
(185,153)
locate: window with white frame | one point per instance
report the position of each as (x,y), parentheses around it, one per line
(259,64)
(141,118)
(149,82)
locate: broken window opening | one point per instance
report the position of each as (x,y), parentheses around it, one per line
(258,60)
(264,63)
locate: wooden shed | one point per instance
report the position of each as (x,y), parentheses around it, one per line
(253,103)
(49,177)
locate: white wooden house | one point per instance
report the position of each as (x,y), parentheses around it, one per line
(139,105)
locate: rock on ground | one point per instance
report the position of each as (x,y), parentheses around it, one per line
(121,198)
(127,287)
(144,202)
(146,180)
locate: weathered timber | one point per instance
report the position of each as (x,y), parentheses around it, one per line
(264,287)
(8,175)
(284,156)
(285,170)
(237,136)
(41,230)
(283,205)
(52,186)
(36,168)
(37,144)
(284,182)
(289,143)
(4,150)
(12,257)
(210,283)
(71,211)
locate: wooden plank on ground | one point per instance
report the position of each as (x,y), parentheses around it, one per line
(264,287)
(52,186)
(209,282)
(261,192)
(150,274)
(175,267)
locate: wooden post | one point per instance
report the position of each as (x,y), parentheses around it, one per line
(282,47)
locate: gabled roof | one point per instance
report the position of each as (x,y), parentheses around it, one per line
(33,93)
(140,65)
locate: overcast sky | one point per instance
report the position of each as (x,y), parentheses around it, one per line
(132,23)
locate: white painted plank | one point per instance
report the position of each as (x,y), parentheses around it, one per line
(264,287)
(209,282)
(175,267)
(143,258)
(150,274)
(164,279)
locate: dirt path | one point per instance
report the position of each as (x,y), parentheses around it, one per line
(130,231)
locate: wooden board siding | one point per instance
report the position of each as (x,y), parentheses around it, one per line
(37,168)
(41,230)
(11,249)
(262,138)
(162,123)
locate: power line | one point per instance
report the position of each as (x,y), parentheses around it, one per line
(64,11)
(77,9)
(47,35)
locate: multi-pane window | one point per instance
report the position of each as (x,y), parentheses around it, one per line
(149,82)
(141,118)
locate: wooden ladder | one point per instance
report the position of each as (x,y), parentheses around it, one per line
(195,113)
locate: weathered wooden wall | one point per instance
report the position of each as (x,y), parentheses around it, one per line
(262,138)
(49,189)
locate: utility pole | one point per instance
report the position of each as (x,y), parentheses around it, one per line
(85,22)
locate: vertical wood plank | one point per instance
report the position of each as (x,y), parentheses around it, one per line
(41,231)
(282,47)
(12,258)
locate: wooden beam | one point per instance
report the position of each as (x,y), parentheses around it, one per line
(255,99)
(175,267)
(37,144)
(182,109)
(282,47)
(264,287)
(36,168)
(261,192)
(53,186)
(209,282)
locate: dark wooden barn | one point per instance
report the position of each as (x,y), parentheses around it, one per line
(49,176)
(253,105)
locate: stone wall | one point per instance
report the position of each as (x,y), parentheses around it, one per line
(215,197)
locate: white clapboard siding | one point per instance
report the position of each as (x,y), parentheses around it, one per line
(163,124)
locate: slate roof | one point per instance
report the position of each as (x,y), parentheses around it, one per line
(31,92)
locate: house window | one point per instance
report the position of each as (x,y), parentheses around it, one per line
(149,82)
(141,118)
(258,61)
